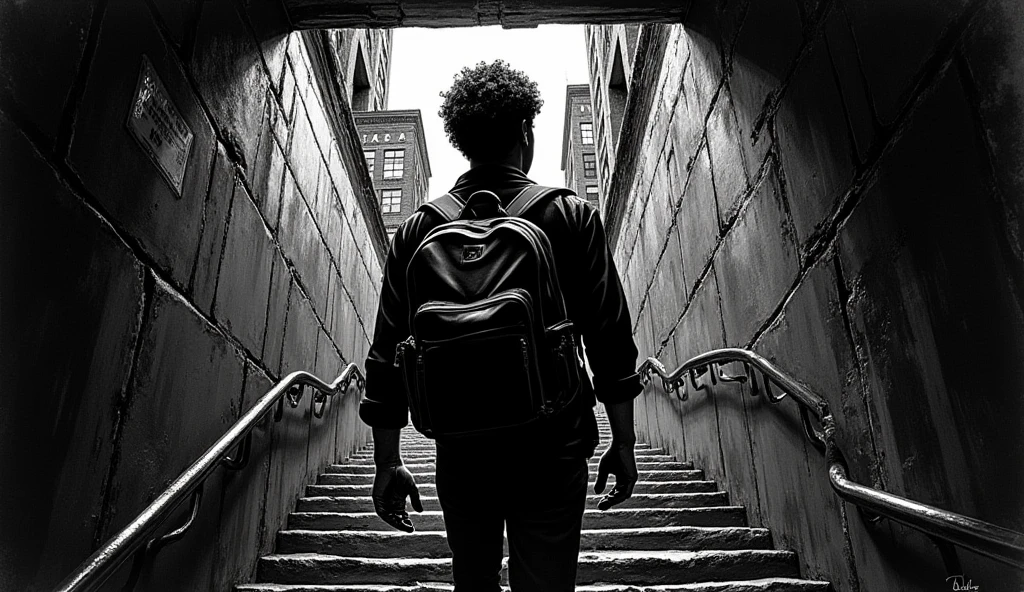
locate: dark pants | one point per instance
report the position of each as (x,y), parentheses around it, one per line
(539,502)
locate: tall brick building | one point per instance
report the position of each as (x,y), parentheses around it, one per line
(610,57)
(396,154)
(364,57)
(579,159)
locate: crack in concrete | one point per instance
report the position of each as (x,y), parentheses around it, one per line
(69,116)
(846,297)
(744,203)
(813,32)
(121,409)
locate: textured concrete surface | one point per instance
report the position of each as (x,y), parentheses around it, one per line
(165,222)
(868,231)
(67,352)
(514,14)
(137,309)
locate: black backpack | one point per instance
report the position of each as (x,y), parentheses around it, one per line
(492,347)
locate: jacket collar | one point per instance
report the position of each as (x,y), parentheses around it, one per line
(502,179)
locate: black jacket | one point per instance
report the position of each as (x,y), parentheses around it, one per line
(592,290)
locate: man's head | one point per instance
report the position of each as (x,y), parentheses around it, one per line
(488,114)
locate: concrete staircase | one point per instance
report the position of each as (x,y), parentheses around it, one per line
(677,533)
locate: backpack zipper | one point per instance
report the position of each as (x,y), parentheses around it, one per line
(517,294)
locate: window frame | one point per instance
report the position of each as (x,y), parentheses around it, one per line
(388,203)
(394,164)
(589,166)
(587,133)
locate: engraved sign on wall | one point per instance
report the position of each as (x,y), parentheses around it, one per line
(154,121)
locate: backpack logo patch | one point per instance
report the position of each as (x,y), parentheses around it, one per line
(472,253)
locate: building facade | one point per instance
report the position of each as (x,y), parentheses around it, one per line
(610,58)
(364,58)
(396,155)
(579,157)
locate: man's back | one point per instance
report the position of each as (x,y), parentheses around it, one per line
(590,288)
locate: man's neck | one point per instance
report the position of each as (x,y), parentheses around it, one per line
(513,159)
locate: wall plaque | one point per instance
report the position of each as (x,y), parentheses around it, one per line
(154,121)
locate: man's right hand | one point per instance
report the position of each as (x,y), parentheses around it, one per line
(391,485)
(618,460)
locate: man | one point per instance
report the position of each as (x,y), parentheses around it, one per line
(531,483)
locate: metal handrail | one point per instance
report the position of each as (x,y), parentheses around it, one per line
(943,526)
(136,540)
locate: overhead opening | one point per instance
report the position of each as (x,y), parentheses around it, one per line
(617,93)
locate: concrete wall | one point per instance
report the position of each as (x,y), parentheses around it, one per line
(837,185)
(139,322)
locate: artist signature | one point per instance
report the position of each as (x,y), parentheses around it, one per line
(960,584)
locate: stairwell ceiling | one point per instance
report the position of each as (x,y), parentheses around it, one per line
(323,14)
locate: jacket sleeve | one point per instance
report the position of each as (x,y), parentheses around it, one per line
(605,324)
(384,404)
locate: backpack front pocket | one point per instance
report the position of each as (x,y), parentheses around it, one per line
(478,368)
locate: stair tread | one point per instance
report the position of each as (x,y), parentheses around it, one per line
(587,511)
(758,585)
(431,497)
(610,531)
(585,556)
(434,543)
(640,567)
(696,485)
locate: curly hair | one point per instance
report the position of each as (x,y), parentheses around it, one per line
(484,108)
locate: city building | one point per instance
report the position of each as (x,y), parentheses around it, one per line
(579,159)
(396,155)
(610,51)
(364,58)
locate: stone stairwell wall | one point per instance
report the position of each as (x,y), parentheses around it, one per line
(139,323)
(838,186)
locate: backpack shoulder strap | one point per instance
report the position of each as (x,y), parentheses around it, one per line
(532,195)
(447,206)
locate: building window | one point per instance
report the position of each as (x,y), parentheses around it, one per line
(587,131)
(589,165)
(369,155)
(391,235)
(394,164)
(592,193)
(391,201)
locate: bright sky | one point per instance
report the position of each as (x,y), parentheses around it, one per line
(424,62)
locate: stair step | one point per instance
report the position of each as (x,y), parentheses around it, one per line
(426,465)
(639,500)
(433,544)
(614,518)
(423,457)
(428,477)
(409,445)
(759,585)
(428,489)
(636,567)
